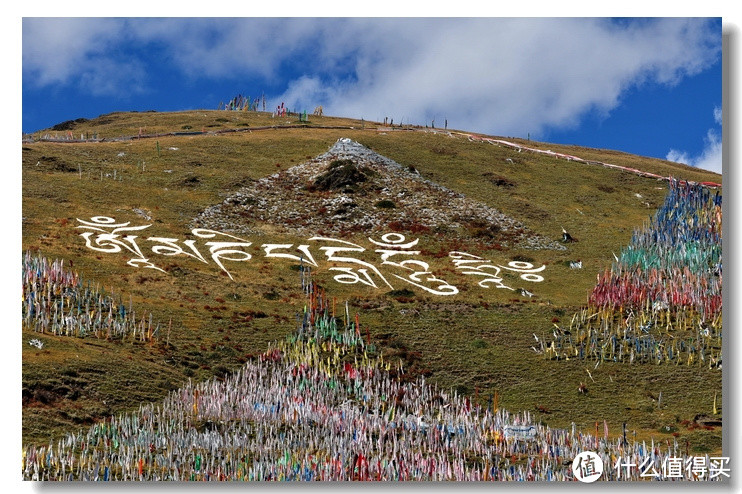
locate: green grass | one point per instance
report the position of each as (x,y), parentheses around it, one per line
(477,341)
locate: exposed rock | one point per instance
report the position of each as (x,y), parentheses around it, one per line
(337,193)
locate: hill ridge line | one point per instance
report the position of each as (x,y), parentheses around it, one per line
(569,157)
(470,136)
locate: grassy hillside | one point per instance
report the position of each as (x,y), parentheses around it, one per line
(477,341)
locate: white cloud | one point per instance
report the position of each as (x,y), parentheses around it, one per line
(74,50)
(711,156)
(302,92)
(505,76)
(224,47)
(678,157)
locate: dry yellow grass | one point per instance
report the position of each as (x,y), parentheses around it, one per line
(477,341)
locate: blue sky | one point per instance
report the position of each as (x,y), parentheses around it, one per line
(649,86)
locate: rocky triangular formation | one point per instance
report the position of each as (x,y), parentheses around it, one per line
(351,189)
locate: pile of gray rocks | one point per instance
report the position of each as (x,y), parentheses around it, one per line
(393,198)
